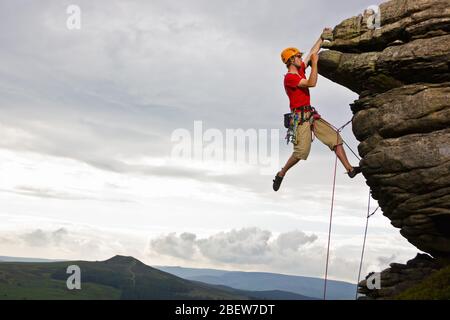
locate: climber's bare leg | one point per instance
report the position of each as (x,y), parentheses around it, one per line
(292,161)
(340,152)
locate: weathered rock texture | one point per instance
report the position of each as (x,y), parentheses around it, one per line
(399,277)
(402,117)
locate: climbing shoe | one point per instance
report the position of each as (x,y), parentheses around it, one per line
(354,172)
(277,182)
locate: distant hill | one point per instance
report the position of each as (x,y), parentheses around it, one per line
(257,281)
(117,278)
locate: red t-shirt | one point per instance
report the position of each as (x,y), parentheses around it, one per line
(298,97)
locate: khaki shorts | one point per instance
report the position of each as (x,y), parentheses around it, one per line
(322,130)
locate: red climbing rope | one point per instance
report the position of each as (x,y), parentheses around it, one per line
(331,213)
(364,242)
(363,247)
(332,207)
(329,229)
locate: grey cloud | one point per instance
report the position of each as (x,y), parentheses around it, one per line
(40,238)
(113,69)
(294,240)
(39,192)
(6,240)
(236,246)
(385,260)
(107,91)
(246,245)
(47,193)
(82,242)
(252,248)
(182,246)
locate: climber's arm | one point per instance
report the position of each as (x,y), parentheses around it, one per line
(312,80)
(315,48)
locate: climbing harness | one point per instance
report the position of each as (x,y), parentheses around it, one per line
(331,213)
(297,117)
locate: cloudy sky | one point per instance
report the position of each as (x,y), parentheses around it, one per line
(87,162)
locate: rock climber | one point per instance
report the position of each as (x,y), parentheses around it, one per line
(303,117)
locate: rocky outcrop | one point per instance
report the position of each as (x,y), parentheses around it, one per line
(402,117)
(400,277)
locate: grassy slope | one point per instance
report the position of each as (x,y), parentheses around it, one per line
(34,281)
(434,287)
(117,278)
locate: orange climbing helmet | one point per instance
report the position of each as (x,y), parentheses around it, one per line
(288,53)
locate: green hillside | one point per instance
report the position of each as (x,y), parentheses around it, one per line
(434,287)
(117,278)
